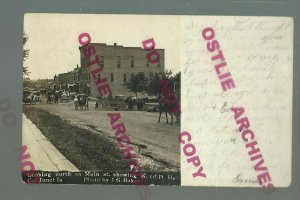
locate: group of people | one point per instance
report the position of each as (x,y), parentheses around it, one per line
(52,96)
(82,101)
(31,98)
(56,95)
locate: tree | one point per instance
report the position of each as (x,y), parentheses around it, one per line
(27,83)
(137,83)
(25,54)
(167,74)
(175,83)
(154,82)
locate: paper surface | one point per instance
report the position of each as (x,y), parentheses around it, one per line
(258,52)
(259,56)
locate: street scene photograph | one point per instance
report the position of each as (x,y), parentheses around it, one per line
(68,125)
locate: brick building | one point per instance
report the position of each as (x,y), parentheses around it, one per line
(70,81)
(119,64)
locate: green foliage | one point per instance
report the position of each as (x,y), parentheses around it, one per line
(25,71)
(25,38)
(27,83)
(175,83)
(153,86)
(151,83)
(25,54)
(167,74)
(85,149)
(137,83)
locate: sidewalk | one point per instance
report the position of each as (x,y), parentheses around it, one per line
(43,154)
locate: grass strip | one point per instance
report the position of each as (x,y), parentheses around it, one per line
(85,149)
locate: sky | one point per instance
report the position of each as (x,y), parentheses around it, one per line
(53,38)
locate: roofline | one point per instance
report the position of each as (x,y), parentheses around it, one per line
(117,46)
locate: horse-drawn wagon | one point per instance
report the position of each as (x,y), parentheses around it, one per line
(26,97)
(151,104)
(113,104)
(64,97)
(31,96)
(81,100)
(128,103)
(36,96)
(50,96)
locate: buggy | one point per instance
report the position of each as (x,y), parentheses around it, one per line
(50,97)
(36,97)
(151,104)
(26,97)
(65,97)
(81,100)
(113,104)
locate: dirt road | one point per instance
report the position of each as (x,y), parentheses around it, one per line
(158,141)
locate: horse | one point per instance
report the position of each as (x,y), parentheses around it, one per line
(49,98)
(166,109)
(56,97)
(162,108)
(27,100)
(36,98)
(168,102)
(172,109)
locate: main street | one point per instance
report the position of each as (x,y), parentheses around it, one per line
(158,141)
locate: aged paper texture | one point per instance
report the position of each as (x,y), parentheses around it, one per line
(259,56)
(73,123)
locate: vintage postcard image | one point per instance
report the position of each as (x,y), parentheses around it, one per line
(157,100)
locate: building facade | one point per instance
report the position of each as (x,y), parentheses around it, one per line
(120,63)
(69,81)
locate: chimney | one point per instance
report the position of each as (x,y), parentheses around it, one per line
(115,44)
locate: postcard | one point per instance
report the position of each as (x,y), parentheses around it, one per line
(157,100)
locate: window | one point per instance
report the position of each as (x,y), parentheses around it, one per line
(118,61)
(158,64)
(98,77)
(102,60)
(147,63)
(125,77)
(132,61)
(111,77)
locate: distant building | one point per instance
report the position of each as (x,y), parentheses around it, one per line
(43,83)
(73,81)
(120,63)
